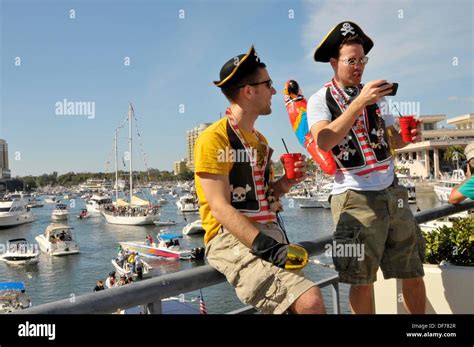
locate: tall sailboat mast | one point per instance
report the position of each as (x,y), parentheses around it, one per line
(116,165)
(130,112)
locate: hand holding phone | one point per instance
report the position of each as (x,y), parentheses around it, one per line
(394,88)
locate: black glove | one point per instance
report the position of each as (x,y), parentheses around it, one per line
(286,256)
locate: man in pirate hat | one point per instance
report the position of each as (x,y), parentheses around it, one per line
(370,210)
(465,190)
(233,177)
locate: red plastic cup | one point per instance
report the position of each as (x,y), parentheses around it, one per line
(407,123)
(289,160)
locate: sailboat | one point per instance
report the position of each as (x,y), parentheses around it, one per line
(136,211)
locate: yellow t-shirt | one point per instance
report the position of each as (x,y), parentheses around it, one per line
(211,155)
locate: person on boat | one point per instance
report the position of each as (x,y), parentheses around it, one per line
(131,261)
(99,286)
(370,210)
(120,258)
(244,239)
(110,281)
(465,190)
(139,267)
(122,281)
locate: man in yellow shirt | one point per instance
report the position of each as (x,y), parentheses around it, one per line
(239,201)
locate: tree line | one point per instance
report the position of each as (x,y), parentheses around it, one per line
(73,179)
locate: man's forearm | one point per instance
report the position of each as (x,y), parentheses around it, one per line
(335,131)
(237,224)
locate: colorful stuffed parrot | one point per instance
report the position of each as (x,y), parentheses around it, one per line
(296,108)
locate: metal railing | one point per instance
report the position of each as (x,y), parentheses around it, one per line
(149,293)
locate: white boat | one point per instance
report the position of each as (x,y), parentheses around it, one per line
(187,203)
(193,228)
(13,297)
(19,252)
(443,188)
(137,211)
(51,200)
(165,223)
(13,211)
(60,212)
(58,239)
(96,202)
(132,216)
(127,271)
(166,246)
(307,201)
(444,221)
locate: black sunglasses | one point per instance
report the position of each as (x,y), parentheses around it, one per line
(269,84)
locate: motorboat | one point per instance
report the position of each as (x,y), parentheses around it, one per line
(13,297)
(60,212)
(165,223)
(20,252)
(193,228)
(187,203)
(14,211)
(166,246)
(58,240)
(84,214)
(126,269)
(51,200)
(444,221)
(96,202)
(444,187)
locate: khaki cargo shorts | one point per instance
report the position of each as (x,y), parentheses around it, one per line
(375,228)
(268,288)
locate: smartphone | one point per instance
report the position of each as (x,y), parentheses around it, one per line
(394,89)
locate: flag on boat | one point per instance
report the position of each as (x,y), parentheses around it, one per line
(202,304)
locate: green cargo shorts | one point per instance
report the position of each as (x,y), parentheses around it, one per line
(372,229)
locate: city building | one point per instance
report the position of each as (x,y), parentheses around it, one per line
(191,137)
(4,168)
(425,158)
(179,166)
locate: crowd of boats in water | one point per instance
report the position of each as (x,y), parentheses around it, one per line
(58,237)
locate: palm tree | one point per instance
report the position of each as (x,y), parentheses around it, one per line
(454,154)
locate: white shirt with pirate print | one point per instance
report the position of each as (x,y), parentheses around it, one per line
(318,110)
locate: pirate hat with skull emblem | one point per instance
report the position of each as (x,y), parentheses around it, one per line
(331,42)
(238,67)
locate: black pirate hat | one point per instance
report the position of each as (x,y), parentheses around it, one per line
(238,67)
(334,38)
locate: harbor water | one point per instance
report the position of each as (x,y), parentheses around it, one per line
(55,278)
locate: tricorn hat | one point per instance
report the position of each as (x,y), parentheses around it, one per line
(331,42)
(238,67)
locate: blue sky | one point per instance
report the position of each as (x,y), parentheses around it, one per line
(425,46)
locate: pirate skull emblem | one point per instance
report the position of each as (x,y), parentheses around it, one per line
(346,29)
(344,149)
(239,193)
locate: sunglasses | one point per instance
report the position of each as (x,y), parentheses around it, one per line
(269,84)
(354,61)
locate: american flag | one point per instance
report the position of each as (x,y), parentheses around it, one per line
(202,304)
